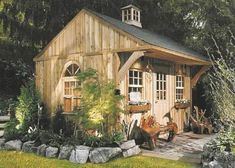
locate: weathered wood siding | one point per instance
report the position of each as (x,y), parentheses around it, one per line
(88,34)
(87,40)
(92,43)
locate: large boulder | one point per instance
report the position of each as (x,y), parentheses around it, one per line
(42,150)
(132,151)
(65,152)
(104,154)
(80,154)
(51,152)
(13,145)
(127,145)
(27,146)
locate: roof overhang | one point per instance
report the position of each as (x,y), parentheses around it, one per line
(168,55)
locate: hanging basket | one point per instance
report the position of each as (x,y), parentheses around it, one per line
(179,105)
(139,108)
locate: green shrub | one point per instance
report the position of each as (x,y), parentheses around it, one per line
(59,124)
(50,138)
(220,90)
(10,131)
(100,107)
(224,141)
(27,108)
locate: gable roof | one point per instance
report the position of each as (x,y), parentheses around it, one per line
(150,37)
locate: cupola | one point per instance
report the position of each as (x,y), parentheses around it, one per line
(131,15)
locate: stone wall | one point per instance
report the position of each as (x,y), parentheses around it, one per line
(76,154)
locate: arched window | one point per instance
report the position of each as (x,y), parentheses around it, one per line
(71,93)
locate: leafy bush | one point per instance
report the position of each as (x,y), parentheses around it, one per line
(10,131)
(27,108)
(224,141)
(100,107)
(59,124)
(221,87)
(104,141)
(50,138)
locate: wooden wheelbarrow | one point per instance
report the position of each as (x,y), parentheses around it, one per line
(152,129)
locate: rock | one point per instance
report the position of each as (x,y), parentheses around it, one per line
(2,143)
(215,164)
(80,154)
(127,145)
(132,151)
(42,150)
(27,146)
(205,165)
(51,152)
(13,145)
(65,152)
(104,154)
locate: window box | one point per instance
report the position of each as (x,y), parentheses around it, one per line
(139,108)
(182,105)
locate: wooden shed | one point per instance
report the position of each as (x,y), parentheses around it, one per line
(137,59)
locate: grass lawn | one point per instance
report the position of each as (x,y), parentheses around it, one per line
(12,159)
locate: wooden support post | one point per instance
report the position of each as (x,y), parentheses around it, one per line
(134,56)
(196,77)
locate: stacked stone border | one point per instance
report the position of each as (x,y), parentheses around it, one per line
(77,154)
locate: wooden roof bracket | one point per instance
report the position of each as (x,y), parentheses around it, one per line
(196,77)
(131,60)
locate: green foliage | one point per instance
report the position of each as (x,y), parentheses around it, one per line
(50,138)
(58,124)
(221,88)
(27,108)
(10,131)
(224,141)
(103,141)
(99,105)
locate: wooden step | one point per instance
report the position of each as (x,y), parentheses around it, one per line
(4,119)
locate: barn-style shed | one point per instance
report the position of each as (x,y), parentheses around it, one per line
(137,59)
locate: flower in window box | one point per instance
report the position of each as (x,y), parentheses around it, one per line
(182,103)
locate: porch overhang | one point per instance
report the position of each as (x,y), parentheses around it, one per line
(163,54)
(177,57)
(167,54)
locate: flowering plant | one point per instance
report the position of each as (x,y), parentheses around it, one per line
(183,101)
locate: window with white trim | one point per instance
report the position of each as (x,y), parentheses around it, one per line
(179,87)
(135,15)
(135,81)
(127,14)
(71,93)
